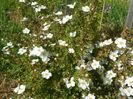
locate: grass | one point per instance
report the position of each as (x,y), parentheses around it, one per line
(116,16)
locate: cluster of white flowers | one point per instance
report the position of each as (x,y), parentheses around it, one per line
(127,87)
(46,74)
(19,89)
(40,52)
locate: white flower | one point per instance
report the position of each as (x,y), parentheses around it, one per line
(71,6)
(24,19)
(49,35)
(65,19)
(46,27)
(9,44)
(36,51)
(132,52)
(83,84)
(34,3)
(89,96)
(113,55)
(19,89)
(22,50)
(70,83)
(26,31)
(110,74)
(46,74)
(83,66)
(62,43)
(39,8)
(72,34)
(120,42)
(132,62)
(42,7)
(129,81)
(58,13)
(45,57)
(34,61)
(95,64)
(71,50)
(107,81)
(126,91)
(106,42)
(86,9)
(21,0)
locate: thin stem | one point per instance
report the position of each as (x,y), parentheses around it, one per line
(102,16)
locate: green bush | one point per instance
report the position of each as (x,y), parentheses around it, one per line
(50,55)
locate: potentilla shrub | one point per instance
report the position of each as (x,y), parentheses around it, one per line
(57,54)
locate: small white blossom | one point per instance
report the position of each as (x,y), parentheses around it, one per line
(65,19)
(26,31)
(120,42)
(113,55)
(110,74)
(19,89)
(10,44)
(71,6)
(129,81)
(106,42)
(126,91)
(107,80)
(62,43)
(46,74)
(58,13)
(22,1)
(70,83)
(36,51)
(34,61)
(45,57)
(131,61)
(72,34)
(24,19)
(83,84)
(46,27)
(38,8)
(86,9)
(89,96)
(95,64)
(71,50)
(22,50)
(49,35)
(34,3)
